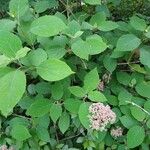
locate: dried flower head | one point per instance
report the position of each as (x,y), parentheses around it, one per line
(100,116)
(116,132)
(101,86)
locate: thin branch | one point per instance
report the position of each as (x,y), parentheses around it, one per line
(128,63)
(71,137)
(16,115)
(68,9)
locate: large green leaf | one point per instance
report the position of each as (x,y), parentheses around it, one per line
(39,108)
(47,26)
(77,91)
(96,96)
(135,136)
(91,80)
(12,87)
(138,23)
(53,70)
(83,115)
(20,132)
(137,113)
(107,26)
(43,134)
(18,8)
(81,49)
(72,105)
(143,89)
(128,42)
(7,25)
(93,45)
(96,44)
(9,43)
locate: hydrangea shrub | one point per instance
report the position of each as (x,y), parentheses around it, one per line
(74,75)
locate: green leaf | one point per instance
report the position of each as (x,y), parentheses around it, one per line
(137,68)
(123,78)
(107,26)
(138,23)
(43,134)
(25,34)
(39,108)
(128,121)
(12,87)
(57,90)
(81,49)
(127,42)
(10,44)
(35,58)
(73,28)
(143,89)
(55,112)
(91,80)
(93,2)
(18,8)
(96,96)
(137,113)
(93,45)
(83,115)
(4,61)
(4,71)
(135,136)
(54,70)
(64,122)
(124,96)
(72,105)
(47,26)
(97,19)
(96,44)
(20,132)
(77,91)
(7,25)
(145,55)
(109,63)
(22,52)
(56,52)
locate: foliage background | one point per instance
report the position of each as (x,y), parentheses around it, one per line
(50,75)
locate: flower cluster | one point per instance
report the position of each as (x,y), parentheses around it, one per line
(116,132)
(4,147)
(100,116)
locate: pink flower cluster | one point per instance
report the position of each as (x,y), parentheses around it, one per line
(116,132)
(4,147)
(100,116)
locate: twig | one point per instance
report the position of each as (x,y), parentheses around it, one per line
(16,115)
(68,9)
(70,137)
(56,134)
(128,63)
